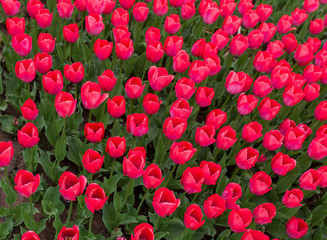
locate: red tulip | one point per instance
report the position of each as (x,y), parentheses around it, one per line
(323,175)
(188,10)
(235,82)
(44,18)
(310,5)
(181,152)
(252,131)
(116,146)
(92,161)
(231,194)
(211,172)
(143,231)
(173,44)
(264,213)
(204,96)
(192,180)
(46,42)
(284,24)
(116,106)
(255,39)
(172,24)
(216,118)
(214,206)
(6,153)
(26,183)
(296,228)
(264,11)
(281,164)
(164,202)
(294,138)
(71,186)
(246,103)
(260,183)
(304,54)
(151,103)
(181,61)
(91,95)
(318,148)
(254,235)
(119,17)
(250,19)
(239,219)
(321,111)
(133,165)
(28,136)
(43,62)
(193,217)
(65,8)
(94,132)
(293,198)
(140,11)
(152,34)
(273,140)
(65,104)
(107,80)
(102,48)
(95,6)
(94,24)
(299,16)
(310,179)
(198,71)
(238,45)
(246,158)
(22,43)
(15,25)
(75,72)
(25,70)
(10,7)
(121,32)
(290,42)
(33,7)
(53,82)
(95,197)
(71,32)
(30,235)
(159,78)
(231,24)
(268,108)
(69,233)
(124,48)
(134,88)
(268,30)
(152,177)
(137,124)
(160,7)
(210,13)
(226,138)
(29,110)
(154,51)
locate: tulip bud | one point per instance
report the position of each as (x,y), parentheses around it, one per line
(152,177)
(214,206)
(94,132)
(164,202)
(91,95)
(193,217)
(293,198)
(102,48)
(260,183)
(226,138)
(174,128)
(264,213)
(134,88)
(133,166)
(181,152)
(65,104)
(296,228)
(75,72)
(116,106)
(239,219)
(252,131)
(107,80)
(151,103)
(15,25)
(28,136)
(211,172)
(116,146)
(231,194)
(95,197)
(29,110)
(26,183)
(71,32)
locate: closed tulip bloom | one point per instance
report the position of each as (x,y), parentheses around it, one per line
(231,24)
(290,42)
(137,124)
(264,213)
(152,34)
(268,108)
(151,103)
(285,125)
(70,233)
(188,10)
(71,186)
(312,73)
(268,30)
(176,3)
(211,172)
(198,71)
(173,44)
(91,95)
(294,138)
(321,111)
(15,25)
(205,136)
(119,16)
(174,128)
(226,138)
(94,132)
(231,194)
(164,202)
(159,78)
(43,62)
(92,161)
(152,177)
(154,51)
(281,164)
(296,228)
(44,18)
(292,95)
(246,103)
(273,140)
(292,198)
(134,88)
(204,96)
(116,146)
(25,70)
(109,6)
(133,166)
(172,24)
(321,58)
(143,231)
(71,32)
(239,219)
(95,197)
(160,7)
(181,152)
(235,82)
(247,158)
(254,235)
(220,38)
(197,47)
(10,7)
(94,24)
(244,6)
(75,72)
(28,136)
(209,49)
(262,61)
(65,8)
(213,63)
(305,128)
(227,7)
(322,131)
(193,217)
(280,77)
(181,61)
(317,149)
(30,235)
(250,19)
(140,11)
(238,45)
(22,44)
(275,48)
(26,183)
(284,24)
(137,150)
(65,104)
(185,88)
(255,39)
(252,131)
(210,13)
(95,6)
(296,80)
(46,42)
(181,109)
(323,175)
(124,48)
(103,49)
(264,11)
(29,110)
(116,106)
(315,43)
(303,54)
(260,183)
(310,5)
(214,206)
(33,7)
(107,80)
(53,82)
(6,153)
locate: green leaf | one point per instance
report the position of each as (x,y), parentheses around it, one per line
(60,148)
(110,185)
(276,229)
(319,213)
(284,183)
(53,172)
(125,219)
(5,228)
(51,133)
(109,216)
(160,235)
(51,203)
(118,202)
(10,192)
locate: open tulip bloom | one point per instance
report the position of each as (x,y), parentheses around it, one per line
(163,119)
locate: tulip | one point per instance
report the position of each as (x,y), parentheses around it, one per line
(137,124)
(323,175)
(254,235)
(299,16)
(92,161)
(65,104)
(284,24)
(134,88)
(164,202)
(6,153)
(321,111)
(95,197)
(94,132)
(95,6)
(152,177)
(15,25)
(140,11)
(75,72)
(317,149)
(322,131)
(310,179)
(102,48)
(120,32)
(133,165)
(137,150)
(198,71)
(235,82)
(260,183)
(290,42)
(273,140)
(91,95)
(116,146)
(204,96)
(29,110)
(22,43)
(160,7)
(107,80)
(296,228)
(239,219)
(294,138)
(181,152)
(268,108)
(255,39)
(188,10)
(303,54)
(246,103)
(210,13)
(30,235)
(109,6)
(69,233)
(268,30)
(264,213)
(214,206)
(10,7)
(310,5)
(227,7)
(193,217)
(43,62)
(94,24)
(33,7)
(231,24)
(211,172)
(46,42)
(247,158)
(143,231)
(238,45)
(44,18)
(28,136)
(71,32)
(252,131)
(119,17)
(197,47)
(216,118)
(293,198)
(173,44)
(181,61)
(116,106)
(154,51)
(205,136)
(26,183)
(181,109)
(53,82)
(124,48)
(281,164)
(152,34)
(172,24)
(213,63)
(65,8)
(159,78)
(264,11)
(71,186)
(231,194)
(226,138)
(185,88)
(250,19)
(262,61)
(25,70)
(192,179)
(151,103)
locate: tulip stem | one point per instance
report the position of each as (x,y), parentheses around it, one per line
(217,150)
(90,225)
(140,205)
(129,185)
(6,175)
(145,67)
(32,213)
(28,90)
(69,212)
(30,159)
(130,107)
(76,86)
(90,116)
(156,222)
(171,174)
(226,101)
(184,232)
(194,198)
